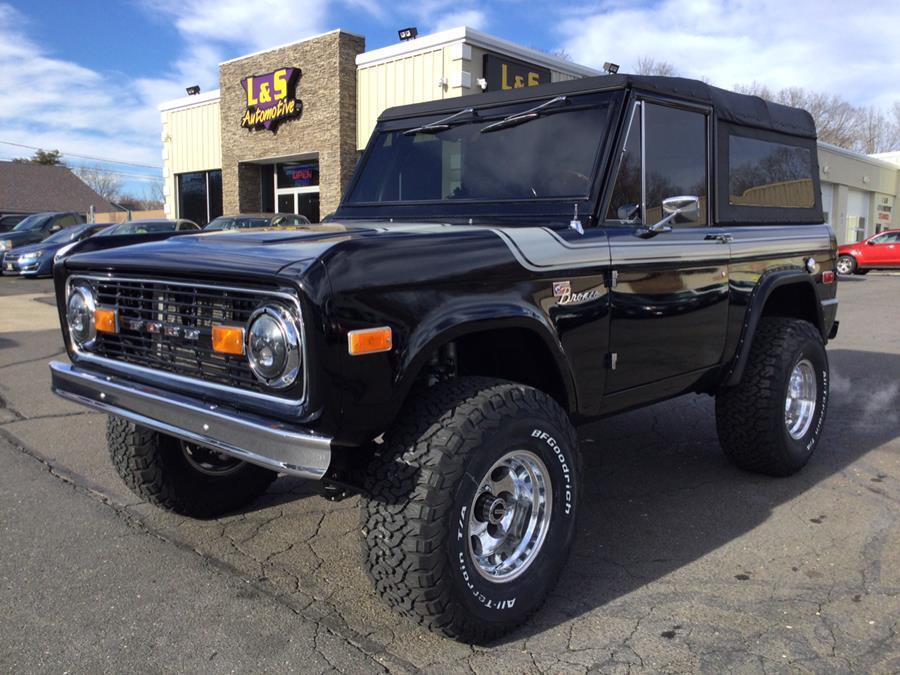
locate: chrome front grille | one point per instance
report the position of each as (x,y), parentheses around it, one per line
(167,326)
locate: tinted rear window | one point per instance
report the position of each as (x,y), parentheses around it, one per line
(769,174)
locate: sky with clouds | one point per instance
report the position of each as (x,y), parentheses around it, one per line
(86,76)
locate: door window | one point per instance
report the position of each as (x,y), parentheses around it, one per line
(664,155)
(675,155)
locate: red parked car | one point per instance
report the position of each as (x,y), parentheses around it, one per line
(880,251)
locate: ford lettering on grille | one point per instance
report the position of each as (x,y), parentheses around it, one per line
(167,326)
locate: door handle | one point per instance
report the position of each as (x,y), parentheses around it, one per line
(724,237)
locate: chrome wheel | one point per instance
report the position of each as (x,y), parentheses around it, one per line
(510,516)
(209,461)
(800,401)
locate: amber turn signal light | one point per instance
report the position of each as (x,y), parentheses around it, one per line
(105,320)
(370,340)
(228,339)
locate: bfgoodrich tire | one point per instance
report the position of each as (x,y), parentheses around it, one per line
(471,507)
(772,421)
(180,477)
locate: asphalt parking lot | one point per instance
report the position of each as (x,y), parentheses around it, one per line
(682,563)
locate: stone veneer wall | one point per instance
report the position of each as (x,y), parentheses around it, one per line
(327,126)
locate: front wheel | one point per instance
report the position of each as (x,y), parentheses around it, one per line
(772,420)
(471,508)
(186,478)
(846,264)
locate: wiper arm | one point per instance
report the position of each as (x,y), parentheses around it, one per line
(519,118)
(440,125)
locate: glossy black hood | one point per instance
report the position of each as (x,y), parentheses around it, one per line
(237,254)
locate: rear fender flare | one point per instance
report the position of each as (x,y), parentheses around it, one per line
(754,312)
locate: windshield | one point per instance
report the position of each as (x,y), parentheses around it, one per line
(140,228)
(34,222)
(68,234)
(236,223)
(550,153)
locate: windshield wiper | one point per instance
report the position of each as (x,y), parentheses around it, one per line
(440,125)
(519,118)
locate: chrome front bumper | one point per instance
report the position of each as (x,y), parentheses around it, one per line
(259,440)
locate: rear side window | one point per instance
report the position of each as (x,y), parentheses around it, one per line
(769,174)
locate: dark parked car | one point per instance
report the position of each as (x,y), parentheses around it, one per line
(10,221)
(502,267)
(878,252)
(150,227)
(256,220)
(36,260)
(37,227)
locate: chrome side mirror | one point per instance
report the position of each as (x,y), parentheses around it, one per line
(684,205)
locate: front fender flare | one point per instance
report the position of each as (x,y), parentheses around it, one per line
(463,318)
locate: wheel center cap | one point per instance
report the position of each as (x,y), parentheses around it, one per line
(492,509)
(497,510)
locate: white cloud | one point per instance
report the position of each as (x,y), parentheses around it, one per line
(437,15)
(473,18)
(825,46)
(75,108)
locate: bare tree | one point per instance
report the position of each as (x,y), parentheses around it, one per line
(837,121)
(877,133)
(647,65)
(105,183)
(155,195)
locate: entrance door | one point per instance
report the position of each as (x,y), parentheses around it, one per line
(670,301)
(297,188)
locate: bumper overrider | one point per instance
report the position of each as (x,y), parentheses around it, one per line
(259,440)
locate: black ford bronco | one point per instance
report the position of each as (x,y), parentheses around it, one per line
(502,267)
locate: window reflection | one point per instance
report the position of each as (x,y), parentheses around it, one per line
(551,156)
(764,173)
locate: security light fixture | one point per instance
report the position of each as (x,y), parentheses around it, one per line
(610,68)
(410,33)
(194,90)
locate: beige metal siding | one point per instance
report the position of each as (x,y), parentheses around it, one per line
(410,79)
(191,142)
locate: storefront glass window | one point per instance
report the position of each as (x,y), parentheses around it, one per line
(298,174)
(192,197)
(215,194)
(200,196)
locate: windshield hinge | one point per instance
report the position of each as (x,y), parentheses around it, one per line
(612,279)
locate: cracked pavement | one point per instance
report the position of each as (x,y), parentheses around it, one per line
(681,563)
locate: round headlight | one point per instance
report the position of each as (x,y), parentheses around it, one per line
(273,346)
(80,316)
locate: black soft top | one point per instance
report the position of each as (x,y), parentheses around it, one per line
(750,111)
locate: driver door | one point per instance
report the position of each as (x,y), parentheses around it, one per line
(669,300)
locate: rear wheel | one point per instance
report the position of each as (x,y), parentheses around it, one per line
(846,264)
(471,507)
(771,422)
(183,477)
